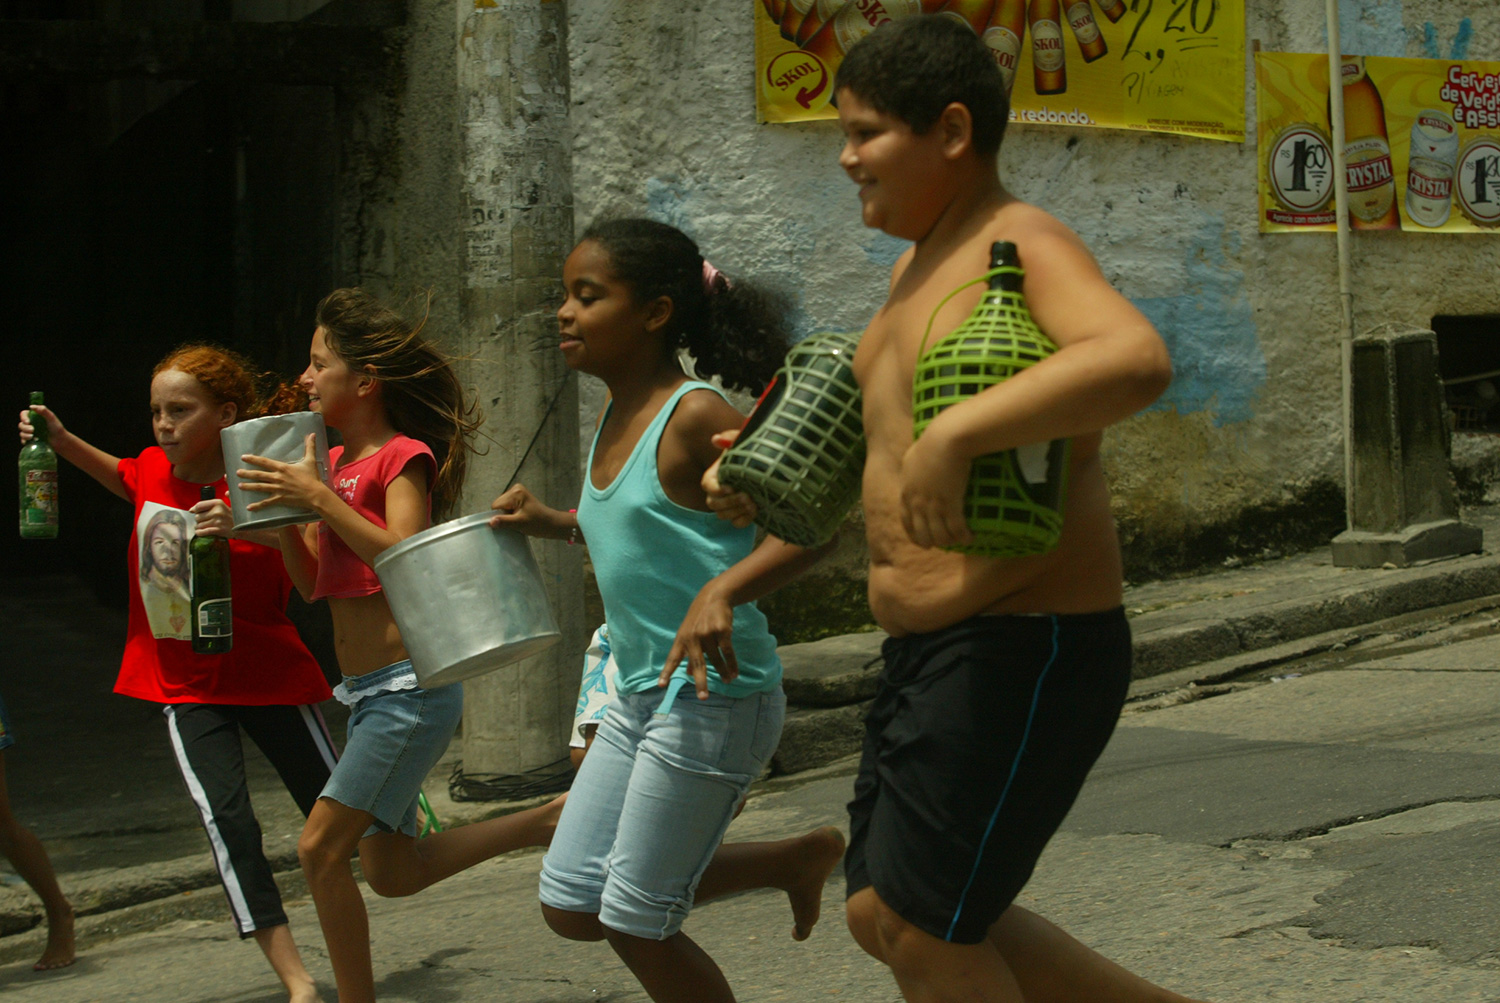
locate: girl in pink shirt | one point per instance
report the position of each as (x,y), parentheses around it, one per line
(406,427)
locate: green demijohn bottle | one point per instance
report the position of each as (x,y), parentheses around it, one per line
(1013,503)
(213,619)
(37,476)
(801,453)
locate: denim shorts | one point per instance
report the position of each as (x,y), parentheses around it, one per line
(651,802)
(397,733)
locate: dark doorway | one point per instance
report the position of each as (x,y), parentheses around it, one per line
(1469,364)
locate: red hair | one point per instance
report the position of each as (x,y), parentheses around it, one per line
(231,378)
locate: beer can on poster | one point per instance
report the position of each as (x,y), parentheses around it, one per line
(1430,166)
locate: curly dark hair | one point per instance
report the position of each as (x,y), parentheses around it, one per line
(914,67)
(736,331)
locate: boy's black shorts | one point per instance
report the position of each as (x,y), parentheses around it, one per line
(977,743)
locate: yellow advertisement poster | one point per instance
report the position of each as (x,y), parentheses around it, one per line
(1152,65)
(1421,143)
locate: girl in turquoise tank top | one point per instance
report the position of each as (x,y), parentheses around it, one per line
(699,705)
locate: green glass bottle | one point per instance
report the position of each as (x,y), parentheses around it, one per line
(213,618)
(37,470)
(1014,499)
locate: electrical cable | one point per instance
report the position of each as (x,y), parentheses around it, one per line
(553,778)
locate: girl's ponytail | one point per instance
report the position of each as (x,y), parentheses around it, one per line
(733,330)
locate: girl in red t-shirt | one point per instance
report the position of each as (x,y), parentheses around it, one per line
(269,684)
(406,428)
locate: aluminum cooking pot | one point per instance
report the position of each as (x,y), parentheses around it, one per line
(468,599)
(276,437)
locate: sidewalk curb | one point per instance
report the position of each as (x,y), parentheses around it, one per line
(1159,650)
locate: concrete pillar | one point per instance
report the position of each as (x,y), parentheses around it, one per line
(516,179)
(1404,507)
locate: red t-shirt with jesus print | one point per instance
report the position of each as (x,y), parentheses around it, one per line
(268,664)
(362,484)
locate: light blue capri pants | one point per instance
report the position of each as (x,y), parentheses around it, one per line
(651,802)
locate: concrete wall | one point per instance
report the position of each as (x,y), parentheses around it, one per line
(1244,451)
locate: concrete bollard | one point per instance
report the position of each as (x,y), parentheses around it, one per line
(1403,506)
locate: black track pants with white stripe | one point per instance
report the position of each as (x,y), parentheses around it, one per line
(206,740)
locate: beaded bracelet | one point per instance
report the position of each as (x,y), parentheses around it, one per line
(573,535)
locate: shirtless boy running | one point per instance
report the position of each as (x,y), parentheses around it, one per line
(1003,678)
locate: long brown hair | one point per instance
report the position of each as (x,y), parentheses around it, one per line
(422,395)
(231,378)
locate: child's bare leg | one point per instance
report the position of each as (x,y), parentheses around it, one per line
(1053,967)
(799,866)
(328,840)
(927,969)
(674,970)
(29,858)
(396,864)
(281,951)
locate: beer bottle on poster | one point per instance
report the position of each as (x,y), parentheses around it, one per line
(1049,70)
(1430,166)
(973,13)
(821,13)
(1113,9)
(775,8)
(791,17)
(1086,30)
(1367,152)
(37,476)
(856,20)
(1003,36)
(213,617)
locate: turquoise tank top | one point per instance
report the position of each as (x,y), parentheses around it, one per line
(651,556)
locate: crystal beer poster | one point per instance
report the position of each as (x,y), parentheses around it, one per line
(1421,143)
(1173,66)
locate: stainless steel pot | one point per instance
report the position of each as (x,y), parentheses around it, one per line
(468,599)
(276,437)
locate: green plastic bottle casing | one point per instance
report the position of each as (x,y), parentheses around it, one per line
(37,480)
(212,613)
(1014,499)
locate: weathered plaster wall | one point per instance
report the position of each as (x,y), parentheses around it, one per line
(1246,444)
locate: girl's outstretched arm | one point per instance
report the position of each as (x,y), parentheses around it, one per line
(92,460)
(707,632)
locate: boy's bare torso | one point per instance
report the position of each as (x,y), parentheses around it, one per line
(916,589)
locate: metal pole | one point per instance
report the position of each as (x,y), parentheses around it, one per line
(1341,209)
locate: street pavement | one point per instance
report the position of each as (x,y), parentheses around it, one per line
(1307,820)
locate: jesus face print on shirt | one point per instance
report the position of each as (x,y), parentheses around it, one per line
(162,537)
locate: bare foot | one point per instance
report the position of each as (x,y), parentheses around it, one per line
(59,950)
(305,994)
(819,854)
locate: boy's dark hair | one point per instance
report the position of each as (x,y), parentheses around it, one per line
(735,331)
(914,67)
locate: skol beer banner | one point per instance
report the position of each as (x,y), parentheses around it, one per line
(1421,143)
(1152,65)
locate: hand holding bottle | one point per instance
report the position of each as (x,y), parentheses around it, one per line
(933,479)
(214,518)
(55,428)
(734,507)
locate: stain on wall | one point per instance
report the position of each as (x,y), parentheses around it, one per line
(1372,27)
(1217,363)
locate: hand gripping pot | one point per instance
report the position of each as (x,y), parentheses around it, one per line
(1014,499)
(276,437)
(801,453)
(467,598)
